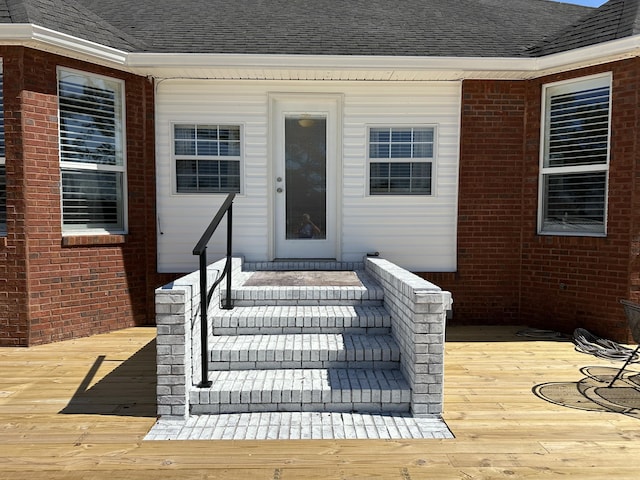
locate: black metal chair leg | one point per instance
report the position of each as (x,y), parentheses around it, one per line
(631,357)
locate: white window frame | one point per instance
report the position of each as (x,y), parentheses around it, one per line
(231,158)
(560,228)
(79,166)
(3,224)
(427,160)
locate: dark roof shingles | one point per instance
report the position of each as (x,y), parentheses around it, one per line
(339,27)
(614,20)
(72,18)
(462,28)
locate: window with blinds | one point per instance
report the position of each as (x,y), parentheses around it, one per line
(575,157)
(207,158)
(401,160)
(92,149)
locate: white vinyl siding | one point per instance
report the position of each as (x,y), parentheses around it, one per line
(415,231)
(92,158)
(575,157)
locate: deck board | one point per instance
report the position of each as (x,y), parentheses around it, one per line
(80,410)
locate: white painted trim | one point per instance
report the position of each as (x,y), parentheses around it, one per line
(338,62)
(573,169)
(331,105)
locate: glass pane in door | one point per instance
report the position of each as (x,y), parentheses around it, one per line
(306,177)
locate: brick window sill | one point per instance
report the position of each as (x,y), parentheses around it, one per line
(92,240)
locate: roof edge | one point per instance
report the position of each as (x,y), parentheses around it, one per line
(38,37)
(456,68)
(613,50)
(352,62)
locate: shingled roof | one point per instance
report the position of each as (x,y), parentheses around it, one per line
(461,28)
(70,17)
(614,20)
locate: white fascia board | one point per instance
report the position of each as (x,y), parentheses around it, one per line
(454,67)
(168,61)
(38,37)
(592,55)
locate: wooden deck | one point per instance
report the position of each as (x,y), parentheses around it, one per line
(80,410)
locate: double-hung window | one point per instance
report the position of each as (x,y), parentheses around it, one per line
(207,158)
(3,178)
(401,160)
(92,153)
(575,157)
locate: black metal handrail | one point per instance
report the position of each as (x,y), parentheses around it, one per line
(205,294)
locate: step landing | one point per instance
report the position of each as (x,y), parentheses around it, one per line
(300,426)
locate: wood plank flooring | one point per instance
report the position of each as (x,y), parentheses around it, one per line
(80,410)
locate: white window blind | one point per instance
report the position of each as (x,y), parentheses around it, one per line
(575,157)
(92,152)
(401,160)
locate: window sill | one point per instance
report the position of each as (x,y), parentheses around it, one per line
(92,240)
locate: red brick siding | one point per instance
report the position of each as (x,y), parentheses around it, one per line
(14,320)
(570,282)
(490,203)
(506,272)
(62,288)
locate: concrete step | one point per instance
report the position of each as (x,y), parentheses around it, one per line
(277,319)
(306,390)
(308,350)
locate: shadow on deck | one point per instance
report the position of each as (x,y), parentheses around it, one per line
(128,390)
(592,393)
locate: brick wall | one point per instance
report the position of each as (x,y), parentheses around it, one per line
(57,288)
(485,286)
(506,272)
(570,282)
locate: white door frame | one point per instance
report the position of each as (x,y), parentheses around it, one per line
(328,105)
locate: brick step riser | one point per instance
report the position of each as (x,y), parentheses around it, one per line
(327,302)
(342,407)
(329,390)
(293,295)
(229,365)
(322,351)
(301,319)
(299,330)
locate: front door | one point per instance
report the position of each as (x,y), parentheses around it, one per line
(305,185)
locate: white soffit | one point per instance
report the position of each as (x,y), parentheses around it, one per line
(306,67)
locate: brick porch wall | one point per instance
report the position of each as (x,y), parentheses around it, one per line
(55,288)
(506,272)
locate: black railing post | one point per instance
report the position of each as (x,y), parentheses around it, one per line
(227,302)
(204,323)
